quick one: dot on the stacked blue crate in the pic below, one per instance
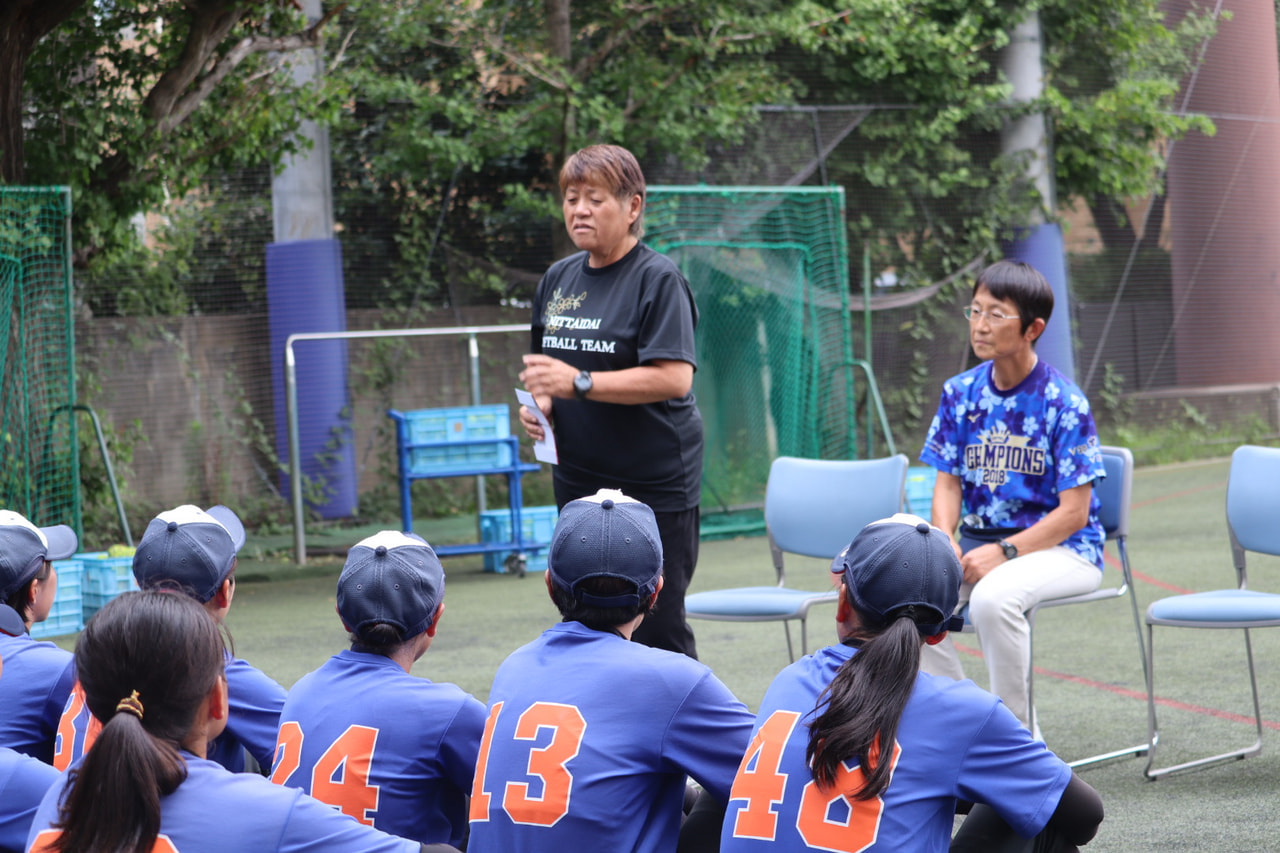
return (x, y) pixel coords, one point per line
(920, 482)
(104, 578)
(537, 523)
(454, 426)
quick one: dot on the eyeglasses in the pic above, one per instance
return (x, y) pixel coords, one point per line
(993, 317)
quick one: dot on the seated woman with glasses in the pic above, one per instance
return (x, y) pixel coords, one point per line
(1017, 454)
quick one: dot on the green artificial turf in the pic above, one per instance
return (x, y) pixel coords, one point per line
(1089, 690)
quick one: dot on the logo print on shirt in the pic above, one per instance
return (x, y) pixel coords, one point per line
(556, 308)
(999, 453)
(556, 319)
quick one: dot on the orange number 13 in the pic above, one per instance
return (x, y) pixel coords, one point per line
(548, 763)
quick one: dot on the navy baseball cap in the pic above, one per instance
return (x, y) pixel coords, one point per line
(189, 547)
(390, 577)
(607, 535)
(903, 561)
(24, 548)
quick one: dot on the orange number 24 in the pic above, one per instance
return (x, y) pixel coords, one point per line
(341, 776)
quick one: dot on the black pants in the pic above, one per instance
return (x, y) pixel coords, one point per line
(984, 831)
(667, 627)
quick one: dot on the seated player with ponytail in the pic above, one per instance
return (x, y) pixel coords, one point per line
(408, 745)
(151, 668)
(855, 749)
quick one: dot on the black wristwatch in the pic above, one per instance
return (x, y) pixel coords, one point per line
(582, 384)
(1010, 550)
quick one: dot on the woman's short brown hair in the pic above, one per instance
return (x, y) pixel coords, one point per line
(612, 167)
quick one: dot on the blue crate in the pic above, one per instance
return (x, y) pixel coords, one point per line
(920, 490)
(537, 523)
(465, 423)
(65, 616)
(104, 578)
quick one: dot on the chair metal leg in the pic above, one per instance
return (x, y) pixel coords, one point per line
(1088, 761)
(786, 626)
(1153, 731)
(1138, 749)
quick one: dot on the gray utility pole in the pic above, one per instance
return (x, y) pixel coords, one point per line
(305, 294)
(302, 193)
(1037, 241)
(1028, 135)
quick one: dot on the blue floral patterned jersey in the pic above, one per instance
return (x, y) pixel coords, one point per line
(1016, 450)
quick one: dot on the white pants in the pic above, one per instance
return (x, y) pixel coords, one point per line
(998, 606)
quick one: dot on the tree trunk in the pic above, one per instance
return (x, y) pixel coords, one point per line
(22, 24)
(560, 44)
(1111, 220)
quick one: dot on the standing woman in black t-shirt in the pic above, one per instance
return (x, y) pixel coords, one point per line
(612, 367)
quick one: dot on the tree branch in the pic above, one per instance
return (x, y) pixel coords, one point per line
(184, 106)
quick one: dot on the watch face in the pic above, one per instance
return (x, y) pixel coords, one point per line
(582, 382)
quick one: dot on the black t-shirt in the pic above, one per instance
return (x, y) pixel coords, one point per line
(629, 313)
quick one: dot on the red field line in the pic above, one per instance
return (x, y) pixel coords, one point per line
(1141, 696)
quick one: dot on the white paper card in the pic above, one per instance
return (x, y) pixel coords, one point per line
(545, 450)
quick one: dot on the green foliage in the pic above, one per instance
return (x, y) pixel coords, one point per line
(449, 121)
(107, 96)
(100, 519)
(1181, 434)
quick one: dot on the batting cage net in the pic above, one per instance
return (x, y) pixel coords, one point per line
(39, 475)
(769, 271)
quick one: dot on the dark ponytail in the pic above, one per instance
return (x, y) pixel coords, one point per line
(858, 712)
(146, 661)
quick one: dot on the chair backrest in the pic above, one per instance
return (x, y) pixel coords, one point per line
(1115, 491)
(815, 507)
(1253, 502)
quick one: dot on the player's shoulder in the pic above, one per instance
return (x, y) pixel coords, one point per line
(800, 682)
(958, 702)
(26, 651)
(25, 775)
(210, 782)
(379, 687)
(243, 673)
(612, 659)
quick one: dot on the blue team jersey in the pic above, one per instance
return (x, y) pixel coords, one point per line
(407, 746)
(23, 783)
(1015, 451)
(38, 677)
(214, 811)
(954, 741)
(253, 718)
(588, 743)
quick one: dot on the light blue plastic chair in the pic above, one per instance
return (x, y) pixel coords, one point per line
(1115, 495)
(1253, 521)
(812, 507)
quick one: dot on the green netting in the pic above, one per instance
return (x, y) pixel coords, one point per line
(39, 475)
(769, 269)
